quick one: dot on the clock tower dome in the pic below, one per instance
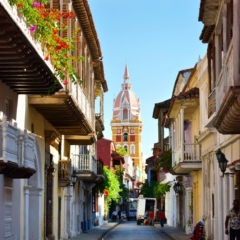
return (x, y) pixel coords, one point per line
(126, 122)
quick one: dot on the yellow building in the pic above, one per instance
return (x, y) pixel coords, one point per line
(126, 124)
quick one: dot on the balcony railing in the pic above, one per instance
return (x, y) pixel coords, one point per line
(84, 163)
(17, 150)
(212, 103)
(64, 173)
(83, 103)
(192, 152)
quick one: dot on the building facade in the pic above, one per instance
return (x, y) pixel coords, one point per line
(48, 128)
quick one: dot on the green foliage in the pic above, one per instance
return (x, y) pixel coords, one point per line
(148, 190)
(165, 161)
(112, 184)
(154, 190)
(160, 189)
(122, 151)
(45, 24)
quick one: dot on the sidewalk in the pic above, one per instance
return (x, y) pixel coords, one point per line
(172, 232)
(96, 233)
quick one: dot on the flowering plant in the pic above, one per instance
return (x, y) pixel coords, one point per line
(164, 161)
(46, 25)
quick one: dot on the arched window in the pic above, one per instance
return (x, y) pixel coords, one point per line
(125, 114)
(132, 149)
(126, 147)
(118, 145)
(125, 137)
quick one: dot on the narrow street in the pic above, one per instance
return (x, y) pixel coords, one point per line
(129, 230)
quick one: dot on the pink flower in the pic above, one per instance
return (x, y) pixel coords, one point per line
(33, 28)
(65, 82)
(37, 5)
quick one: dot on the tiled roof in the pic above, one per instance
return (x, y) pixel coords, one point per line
(190, 94)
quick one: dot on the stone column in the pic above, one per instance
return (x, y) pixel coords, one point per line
(26, 212)
(189, 216)
(182, 132)
(49, 204)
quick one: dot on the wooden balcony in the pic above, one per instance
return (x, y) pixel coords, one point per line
(87, 167)
(227, 120)
(17, 151)
(212, 103)
(64, 173)
(192, 160)
(69, 112)
(22, 64)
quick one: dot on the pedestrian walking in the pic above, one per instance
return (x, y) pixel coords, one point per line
(114, 216)
(162, 218)
(233, 218)
(151, 217)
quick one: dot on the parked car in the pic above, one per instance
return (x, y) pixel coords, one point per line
(132, 214)
(123, 215)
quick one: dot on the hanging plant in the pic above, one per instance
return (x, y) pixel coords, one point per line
(164, 161)
(45, 25)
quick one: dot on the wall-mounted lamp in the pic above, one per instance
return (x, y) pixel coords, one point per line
(222, 161)
(74, 177)
(177, 187)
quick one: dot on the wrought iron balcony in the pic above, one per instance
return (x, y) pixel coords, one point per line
(87, 167)
(17, 150)
(192, 159)
(64, 173)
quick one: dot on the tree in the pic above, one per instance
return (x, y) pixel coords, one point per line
(122, 151)
(154, 189)
(112, 184)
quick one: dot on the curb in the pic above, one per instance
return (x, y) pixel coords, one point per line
(162, 231)
(107, 231)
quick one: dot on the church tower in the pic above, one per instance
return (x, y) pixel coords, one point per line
(126, 122)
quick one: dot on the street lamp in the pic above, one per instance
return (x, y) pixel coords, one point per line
(177, 187)
(73, 177)
(222, 161)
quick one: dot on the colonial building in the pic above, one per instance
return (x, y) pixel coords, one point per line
(221, 34)
(53, 140)
(126, 125)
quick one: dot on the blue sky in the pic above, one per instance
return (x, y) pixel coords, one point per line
(156, 38)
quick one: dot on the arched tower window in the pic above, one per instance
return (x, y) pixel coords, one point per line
(125, 137)
(132, 149)
(118, 145)
(126, 147)
(125, 114)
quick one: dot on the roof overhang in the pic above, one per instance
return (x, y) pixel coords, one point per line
(208, 14)
(87, 26)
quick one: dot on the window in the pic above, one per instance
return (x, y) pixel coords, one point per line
(132, 149)
(126, 148)
(118, 138)
(125, 137)
(125, 114)
(118, 145)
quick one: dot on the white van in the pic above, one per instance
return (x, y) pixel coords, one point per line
(144, 205)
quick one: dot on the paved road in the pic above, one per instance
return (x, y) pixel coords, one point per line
(129, 230)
